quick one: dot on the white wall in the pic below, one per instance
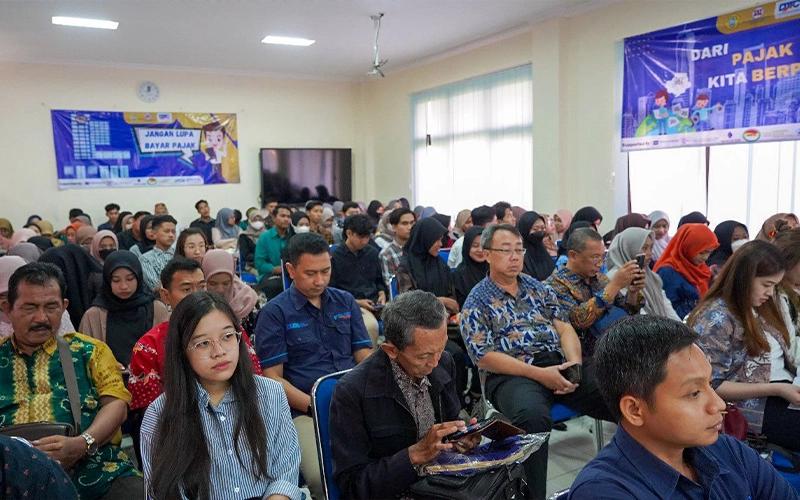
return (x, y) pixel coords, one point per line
(270, 112)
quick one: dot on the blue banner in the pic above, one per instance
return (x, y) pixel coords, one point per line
(724, 80)
(116, 149)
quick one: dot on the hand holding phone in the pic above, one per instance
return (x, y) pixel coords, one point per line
(640, 260)
(573, 373)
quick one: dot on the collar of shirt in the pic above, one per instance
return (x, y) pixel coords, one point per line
(500, 292)
(157, 251)
(204, 398)
(48, 347)
(661, 475)
(299, 300)
(403, 379)
(573, 277)
(273, 233)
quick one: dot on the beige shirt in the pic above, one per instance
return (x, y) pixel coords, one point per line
(94, 319)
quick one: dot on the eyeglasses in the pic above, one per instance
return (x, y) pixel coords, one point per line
(507, 252)
(228, 341)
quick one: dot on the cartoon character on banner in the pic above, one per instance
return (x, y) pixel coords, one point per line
(701, 113)
(214, 145)
(661, 111)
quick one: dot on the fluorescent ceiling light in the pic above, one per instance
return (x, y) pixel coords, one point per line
(287, 40)
(85, 23)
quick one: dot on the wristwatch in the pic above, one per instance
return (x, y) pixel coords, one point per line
(91, 443)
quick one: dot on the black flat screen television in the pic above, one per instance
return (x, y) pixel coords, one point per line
(296, 175)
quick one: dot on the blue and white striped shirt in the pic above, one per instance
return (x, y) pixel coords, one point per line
(228, 478)
(153, 262)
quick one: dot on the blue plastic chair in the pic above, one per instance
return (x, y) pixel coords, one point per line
(321, 396)
(394, 287)
(444, 254)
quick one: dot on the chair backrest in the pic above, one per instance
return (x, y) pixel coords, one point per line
(287, 281)
(394, 288)
(444, 254)
(321, 395)
(560, 495)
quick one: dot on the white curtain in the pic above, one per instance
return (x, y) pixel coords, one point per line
(473, 142)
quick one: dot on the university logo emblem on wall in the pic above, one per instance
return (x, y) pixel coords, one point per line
(733, 21)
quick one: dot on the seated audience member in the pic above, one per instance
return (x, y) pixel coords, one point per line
(326, 224)
(43, 243)
(631, 220)
(103, 244)
(21, 236)
(112, 214)
(97, 464)
(562, 218)
(562, 252)
(538, 262)
(683, 269)
(788, 291)
(375, 211)
(504, 213)
(357, 270)
(27, 250)
(308, 331)
(376, 440)
(225, 233)
(46, 229)
(422, 269)
(180, 278)
(401, 220)
(163, 251)
(186, 452)
(590, 215)
(125, 309)
(473, 267)
(300, 223)
(482, 216)
(349, 209)
(219, 270)
(205, 221)
(659, 223)
(627, 246)
(147, 240)
(269, 251)
(461, 225)
(515, 329)
(249, 237)
(160, 208)
(130, 237)
(83, 276)
(728, 233)
(653, 376)
(444, 220)
(693, 218)
(43, 477)
(124, 222)
(70, 233)
(314, 210)
(591, 300)
(84, 237)
(6, 228)
(384, 234)
(192, 244)
(776, 224)
(744, 337)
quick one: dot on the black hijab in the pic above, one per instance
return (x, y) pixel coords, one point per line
(78, 268)
(429, 272)
(562, 248)
(538, 262)
(587, 214)
(42, 242)
(145, 244)
(469, 272)
(372, 211)
(130, 318)
(444, 220)
(693, 218)
(724, 232)
(118, 225)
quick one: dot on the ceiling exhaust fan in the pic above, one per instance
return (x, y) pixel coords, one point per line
(377, 63)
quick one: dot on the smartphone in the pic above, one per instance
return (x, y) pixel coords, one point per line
(640, 260)
(377, 306)
(491, 428)
(572, 373)
(471, 429)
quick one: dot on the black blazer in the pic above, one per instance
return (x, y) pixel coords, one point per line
(372, 427)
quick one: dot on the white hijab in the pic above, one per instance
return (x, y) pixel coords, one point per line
(659, 245)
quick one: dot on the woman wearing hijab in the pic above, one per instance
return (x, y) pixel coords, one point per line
(300, 222)
(693, 218)
(473, 267)
(82, 274)
(255, 227)
(124, 310)
(728, 233)
(683, 269)
(47, 230)
(43, 243)
(225, 234)
(218, 268)
(659, 224)
(774, 225)
(561, 221)
(462, 224)
(84, 236)
(6, 229)
(538, 262)
(123, 222)
(590, 215)
(444, 220)
(147, 242)
(32, 220)
(70, 233)
(625, 247)
(20, 236)
(375, 211)
(631, 220)
(103, 243)
(385, 232)
(422, 269)
(27, 250)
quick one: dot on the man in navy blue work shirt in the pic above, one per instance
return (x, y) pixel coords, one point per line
(306, 332)
(657, 382)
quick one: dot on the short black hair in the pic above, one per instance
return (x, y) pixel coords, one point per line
(487, 235)
(312, 203)
(305, 243)
(580, 236)
(398, 213)
(162, 219)
(74, 212)
(631, 358)
(500, 209)
(281, 206)
(348, 205)
(482, 215)
(175, 265)
(111, 206)
(271, 198)
(35, 273)
(199, 202)
(359, 224)
(237, 215)
(141, 213)
(189, 231)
